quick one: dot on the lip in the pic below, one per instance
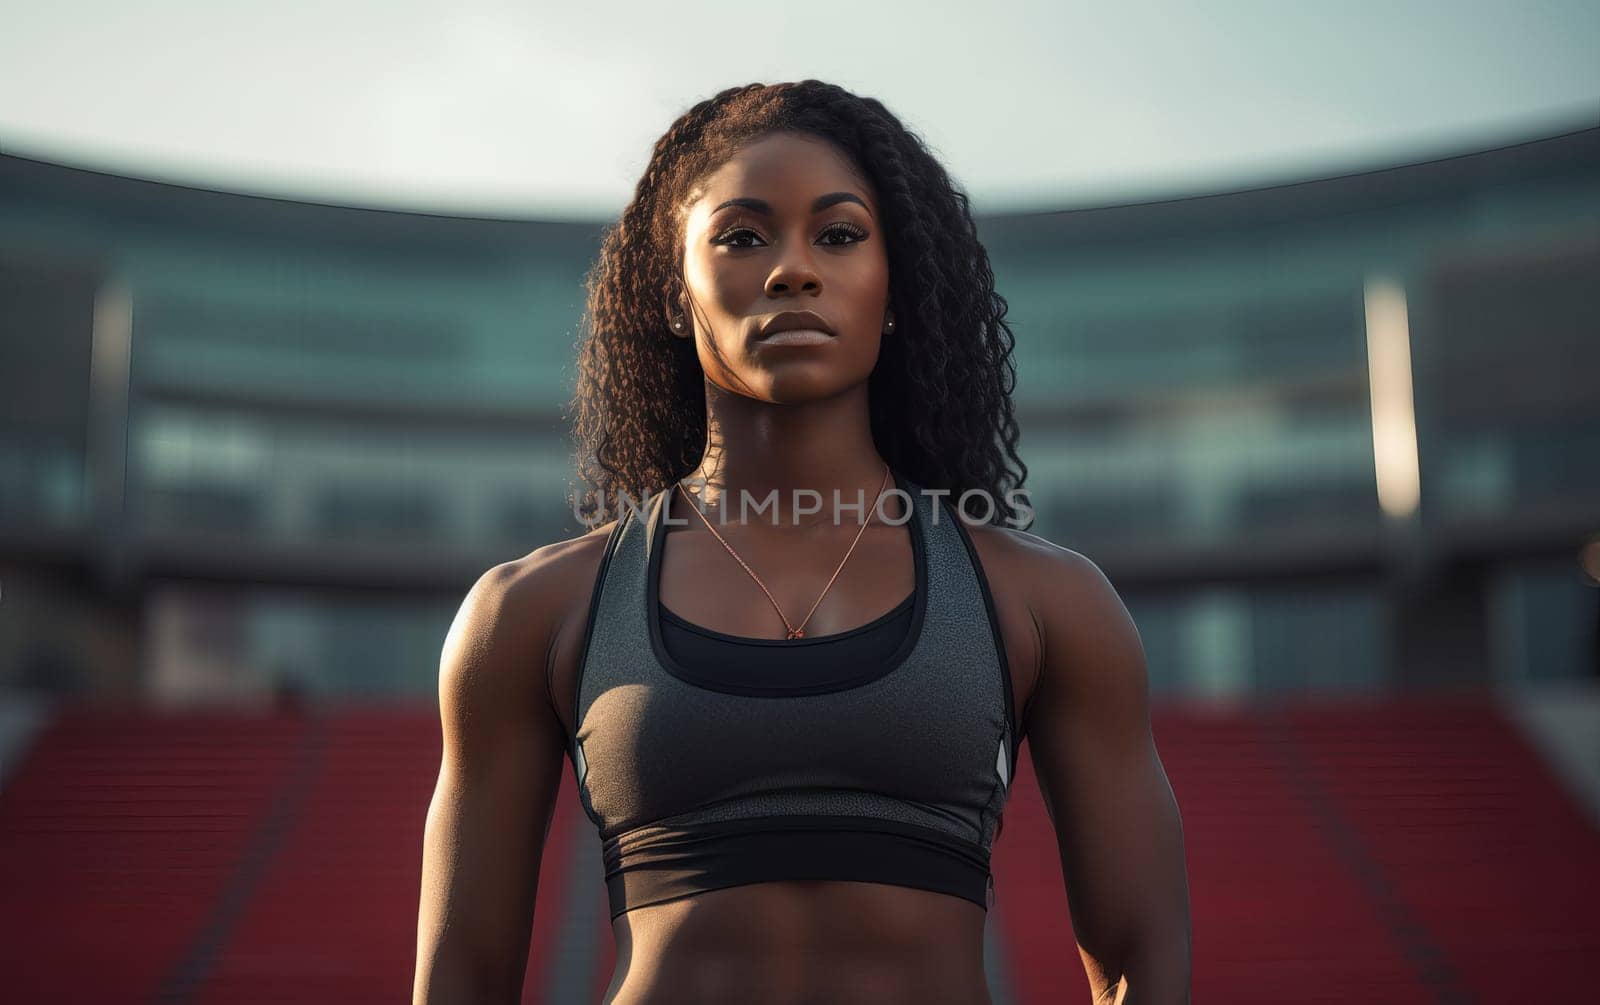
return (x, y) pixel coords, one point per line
(795, 328)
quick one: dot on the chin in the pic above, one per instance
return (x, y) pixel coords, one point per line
(798, 385)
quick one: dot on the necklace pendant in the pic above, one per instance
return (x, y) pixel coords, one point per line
(797, 633)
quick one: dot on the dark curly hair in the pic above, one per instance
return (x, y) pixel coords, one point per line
(640, 410)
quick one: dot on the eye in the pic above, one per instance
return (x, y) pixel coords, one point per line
(733, 234)
(848, 230)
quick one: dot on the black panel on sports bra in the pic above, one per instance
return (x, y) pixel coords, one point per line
(811, 661)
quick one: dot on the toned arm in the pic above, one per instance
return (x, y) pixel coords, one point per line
(498, 780)
(1117, 825)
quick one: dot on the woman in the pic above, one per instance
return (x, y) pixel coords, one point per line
(795, 730)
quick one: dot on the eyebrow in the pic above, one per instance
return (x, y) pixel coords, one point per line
(821, 203)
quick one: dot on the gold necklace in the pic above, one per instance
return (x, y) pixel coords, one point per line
(794, 632)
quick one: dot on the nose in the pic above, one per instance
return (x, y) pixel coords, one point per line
(794, 272)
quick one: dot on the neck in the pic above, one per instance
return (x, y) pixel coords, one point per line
(760, 448)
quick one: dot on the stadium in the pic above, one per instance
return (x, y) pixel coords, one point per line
(1336, 440)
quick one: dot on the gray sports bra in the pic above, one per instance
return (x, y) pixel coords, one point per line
(893, 769)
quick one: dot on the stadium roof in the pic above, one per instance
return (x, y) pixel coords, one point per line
(1574, 152)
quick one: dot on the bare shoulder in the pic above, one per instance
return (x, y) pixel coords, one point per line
(518, 619)
(544, 577)
(1047, 577)
(1023, 551)
(1079, 629)
(1047, 568)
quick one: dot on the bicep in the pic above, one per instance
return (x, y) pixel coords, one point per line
(499, 776)
(1116, 819)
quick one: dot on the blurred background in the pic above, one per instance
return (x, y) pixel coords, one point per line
(1307, 307)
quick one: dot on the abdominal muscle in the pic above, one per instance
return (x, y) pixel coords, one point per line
(801, 943)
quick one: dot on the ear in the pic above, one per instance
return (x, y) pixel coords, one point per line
(678, 322)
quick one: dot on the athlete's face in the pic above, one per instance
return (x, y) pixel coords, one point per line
(785, 225)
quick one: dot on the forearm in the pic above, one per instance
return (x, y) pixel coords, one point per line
(444, 983)
(1157, 972)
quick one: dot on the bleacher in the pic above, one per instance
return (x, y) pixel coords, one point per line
(1394, 850)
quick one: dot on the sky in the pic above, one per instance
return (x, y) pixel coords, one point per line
(550, 110)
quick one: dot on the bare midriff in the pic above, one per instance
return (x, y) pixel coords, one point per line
(802, 943)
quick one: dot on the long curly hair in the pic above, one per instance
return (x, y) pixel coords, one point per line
(941, 414)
